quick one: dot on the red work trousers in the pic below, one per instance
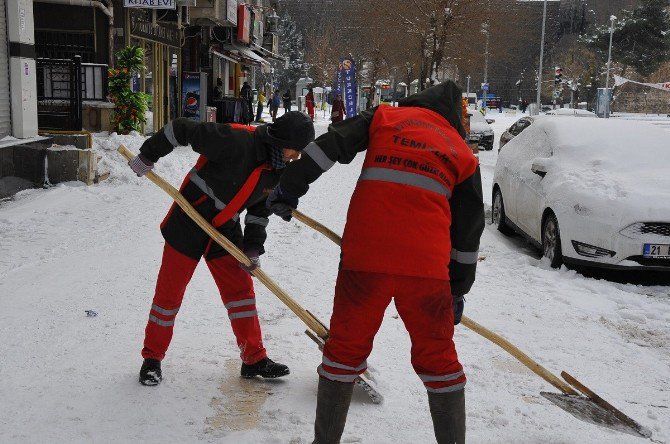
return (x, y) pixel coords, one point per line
(237, 292)
(425, 306)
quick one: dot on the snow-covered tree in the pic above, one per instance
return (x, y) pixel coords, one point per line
(641, 37)
(292, 47)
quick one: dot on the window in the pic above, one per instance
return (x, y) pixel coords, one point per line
(52, 44)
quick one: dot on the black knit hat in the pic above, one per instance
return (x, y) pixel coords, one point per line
(291, 130)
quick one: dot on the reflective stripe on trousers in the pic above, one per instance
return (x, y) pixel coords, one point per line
(170, 314)
(349, 373)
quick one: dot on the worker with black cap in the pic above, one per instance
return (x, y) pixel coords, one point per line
(238, 166)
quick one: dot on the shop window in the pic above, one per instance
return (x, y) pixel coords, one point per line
(65, 45)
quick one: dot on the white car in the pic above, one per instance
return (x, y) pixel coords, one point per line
(588, 192)
(570, 112)
(480, 130)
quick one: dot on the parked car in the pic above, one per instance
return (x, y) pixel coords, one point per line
(480, 131)
(514, 130)
(588, 192)
(570, 112)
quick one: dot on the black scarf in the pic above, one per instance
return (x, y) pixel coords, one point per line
(277, 157)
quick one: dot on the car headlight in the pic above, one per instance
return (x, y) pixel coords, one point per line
(590, 250)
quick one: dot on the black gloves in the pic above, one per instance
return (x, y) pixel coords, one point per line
(281, 203)
(253, 256)
(458, 303)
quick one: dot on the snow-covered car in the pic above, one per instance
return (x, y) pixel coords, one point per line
(588, 192)
(480, 131)
(514, 130)
(570, 112)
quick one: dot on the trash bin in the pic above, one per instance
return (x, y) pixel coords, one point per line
(210, 114)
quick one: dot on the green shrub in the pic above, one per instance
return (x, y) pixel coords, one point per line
(130, 107)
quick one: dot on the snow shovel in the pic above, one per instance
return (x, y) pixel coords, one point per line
(319, 333)
(590, 407)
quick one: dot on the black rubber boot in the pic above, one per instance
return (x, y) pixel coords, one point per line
(332, 406)
(150, 373)
(448, 412)
(266, 368)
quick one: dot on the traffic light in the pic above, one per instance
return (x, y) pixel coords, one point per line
(558, 78)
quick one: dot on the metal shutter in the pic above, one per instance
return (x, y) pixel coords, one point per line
(5, 116)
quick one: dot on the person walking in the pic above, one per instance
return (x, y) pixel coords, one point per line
(412, 235)
(309, 103)
(337, 112)
(286, 98)
(275, 100)
(237, 165)
(247, 97)
(259, 105)
(218, 89)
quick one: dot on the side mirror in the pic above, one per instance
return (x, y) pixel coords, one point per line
(540, 166)
(490, 121)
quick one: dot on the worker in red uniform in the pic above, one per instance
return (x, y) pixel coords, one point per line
(237, 167)
(412, 235)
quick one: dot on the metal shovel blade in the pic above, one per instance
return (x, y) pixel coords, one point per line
(585, 409)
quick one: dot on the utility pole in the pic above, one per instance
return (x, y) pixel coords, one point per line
(539, 73)
(609, 62)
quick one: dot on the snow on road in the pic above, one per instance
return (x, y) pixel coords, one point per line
(69, 377)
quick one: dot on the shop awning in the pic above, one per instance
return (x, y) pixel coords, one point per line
(246, 54)
(218, 53)
(268, 54)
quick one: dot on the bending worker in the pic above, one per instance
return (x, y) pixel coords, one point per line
(412, 235)
(237, 167)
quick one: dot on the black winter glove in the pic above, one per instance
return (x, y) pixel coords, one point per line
(253, 256)
(458, 304)
(281, 203)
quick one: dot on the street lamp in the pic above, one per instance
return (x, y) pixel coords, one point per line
(485, 31)
(609, 62)
(539, 74)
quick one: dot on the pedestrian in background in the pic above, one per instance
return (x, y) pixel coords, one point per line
(309, 103)
(247, 100)
(337, 112)
(259, 105)
(286, 98)
(275, 101)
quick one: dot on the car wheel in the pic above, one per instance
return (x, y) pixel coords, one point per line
(498, 214)
(551, 241)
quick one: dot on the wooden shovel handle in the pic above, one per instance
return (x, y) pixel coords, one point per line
(469, 323)
(519, 355)
(317, 226)
(310, 320)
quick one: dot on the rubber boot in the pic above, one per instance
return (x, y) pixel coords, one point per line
(332, 406)
(448, 412)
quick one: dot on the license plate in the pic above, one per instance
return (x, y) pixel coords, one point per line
(656, 251)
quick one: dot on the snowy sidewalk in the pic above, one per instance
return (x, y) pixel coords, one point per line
(68, 377)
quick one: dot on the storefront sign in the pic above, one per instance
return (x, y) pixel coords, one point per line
(243, 23)
(231, 11)
(160, 32)
(152, 4)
